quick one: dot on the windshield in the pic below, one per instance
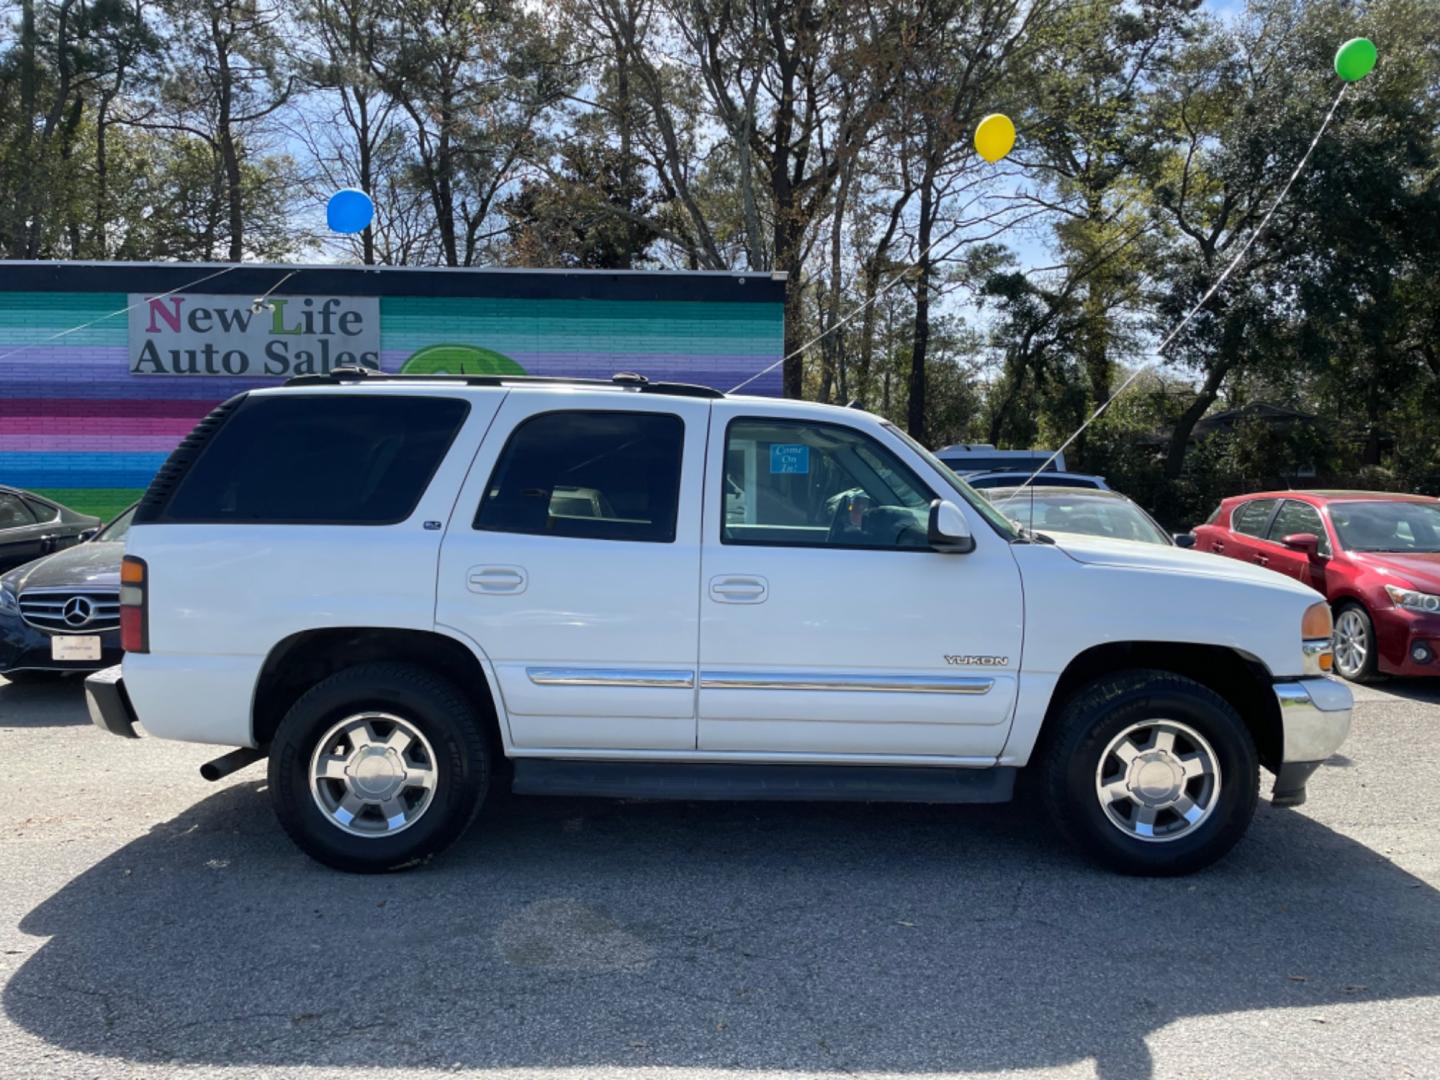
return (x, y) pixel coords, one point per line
(1387, 526)
(1077, 512)
(998, 521)
(114, 533)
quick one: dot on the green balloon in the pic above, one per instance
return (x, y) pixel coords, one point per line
(1355, 59)
(459, 360)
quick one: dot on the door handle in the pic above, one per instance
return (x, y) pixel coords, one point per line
(1218, 548)
(739, 589)
(1262, 559)
(496, 580)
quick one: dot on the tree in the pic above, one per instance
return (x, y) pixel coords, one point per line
(474, 82)
(226, 78)
(353, 141)
(1088, 133)
(56, 90)
(956, 52)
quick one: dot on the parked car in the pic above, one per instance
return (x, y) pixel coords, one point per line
(1078, 510)
(967, 458)
(32, 526)
(1375, 556)
(1008, 479)
(363, 577)
(61, 614)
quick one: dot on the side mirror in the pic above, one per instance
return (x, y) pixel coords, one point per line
(1308, 543)
(1185, 540)
(949, 531)
(88, 534)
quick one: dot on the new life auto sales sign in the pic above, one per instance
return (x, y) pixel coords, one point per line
(202, 334)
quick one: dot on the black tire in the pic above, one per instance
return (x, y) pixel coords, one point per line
(1097, 714)
(432, 705)
(1369, 670)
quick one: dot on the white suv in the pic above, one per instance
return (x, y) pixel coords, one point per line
(403, 589)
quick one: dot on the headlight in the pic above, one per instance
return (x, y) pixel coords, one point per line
(1411, 600)
(1317, 630)
(8, 604)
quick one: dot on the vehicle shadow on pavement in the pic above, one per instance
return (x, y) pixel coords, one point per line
(568, 933)
(60, 703)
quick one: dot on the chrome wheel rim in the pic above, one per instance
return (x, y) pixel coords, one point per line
(1352, 643)
(1158, 780)
(373, 774)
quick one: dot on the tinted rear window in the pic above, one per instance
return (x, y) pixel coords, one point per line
(590, 475)
(1251, 518)
(311, 459)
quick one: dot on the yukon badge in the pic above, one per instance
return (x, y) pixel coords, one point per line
(978, 661)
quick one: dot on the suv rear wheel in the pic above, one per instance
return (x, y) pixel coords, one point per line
(378, 767)
(1151, 773)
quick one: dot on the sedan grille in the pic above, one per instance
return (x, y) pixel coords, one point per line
(71, 612)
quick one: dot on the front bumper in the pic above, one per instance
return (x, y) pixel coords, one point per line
(23, 648)
(1397, 633)
(109, 704)
(1314, 719)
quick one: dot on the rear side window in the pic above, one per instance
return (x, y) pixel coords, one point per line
(1251, 518)
(42, 511)
(14, 512)
(588, 475)
(319, 459)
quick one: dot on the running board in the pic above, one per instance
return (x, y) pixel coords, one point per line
(708, 781)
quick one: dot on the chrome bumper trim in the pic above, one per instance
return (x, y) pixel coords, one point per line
(1315, 717)
(878, 684)
(1312, 649)
(672, 680)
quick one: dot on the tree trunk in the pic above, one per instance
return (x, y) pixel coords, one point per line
(225, 138)
(17, 236)
(867, 329)
(1185, 426)
(367, 177)
(920, 345)
(830, 347)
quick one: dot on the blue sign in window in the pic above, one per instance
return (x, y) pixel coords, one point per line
(788, 458)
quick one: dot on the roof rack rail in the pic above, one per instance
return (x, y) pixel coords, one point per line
(627, 379)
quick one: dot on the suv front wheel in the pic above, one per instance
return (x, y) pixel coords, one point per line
(378, 767)
(1151, 773)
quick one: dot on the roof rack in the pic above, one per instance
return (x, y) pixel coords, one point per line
(627, 379)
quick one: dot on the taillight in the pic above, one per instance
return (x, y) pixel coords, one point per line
(134, 594)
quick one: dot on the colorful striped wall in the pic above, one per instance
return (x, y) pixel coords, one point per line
(77, 425)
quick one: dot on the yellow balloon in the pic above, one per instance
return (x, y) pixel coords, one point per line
(994, 137)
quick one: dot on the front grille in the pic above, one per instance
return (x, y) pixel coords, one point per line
(71, 611)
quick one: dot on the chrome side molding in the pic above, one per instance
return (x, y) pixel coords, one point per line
(884, 684)
(671, 680)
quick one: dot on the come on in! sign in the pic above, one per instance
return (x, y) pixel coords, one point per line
(205, 334)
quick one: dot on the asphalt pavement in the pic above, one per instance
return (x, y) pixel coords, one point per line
(155, 925)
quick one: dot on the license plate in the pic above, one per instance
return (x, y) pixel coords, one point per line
(75, 647)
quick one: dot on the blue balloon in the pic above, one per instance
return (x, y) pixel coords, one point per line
(349, 210)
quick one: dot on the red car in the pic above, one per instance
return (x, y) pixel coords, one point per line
(1375, 556)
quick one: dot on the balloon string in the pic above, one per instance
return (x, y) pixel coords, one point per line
(1189, 315)
(124, 310)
